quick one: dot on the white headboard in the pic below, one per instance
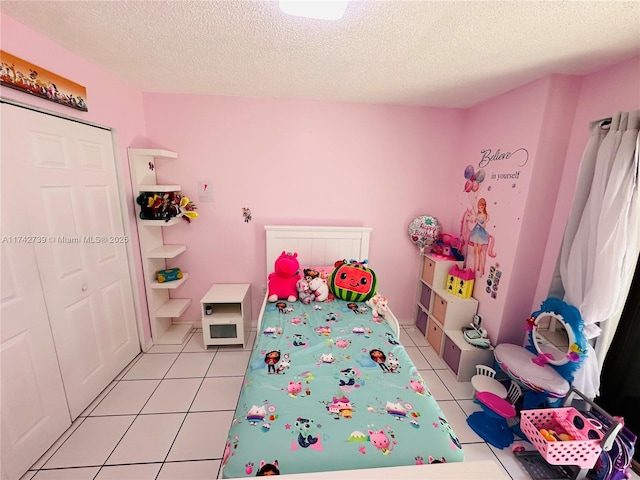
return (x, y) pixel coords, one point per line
(317, 246)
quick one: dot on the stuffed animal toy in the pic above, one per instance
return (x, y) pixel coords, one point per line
(319, 288)
(378, 305)
(282, 282)
(305, 295)
(353, 281)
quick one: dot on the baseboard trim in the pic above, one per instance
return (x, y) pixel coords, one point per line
(147, 346)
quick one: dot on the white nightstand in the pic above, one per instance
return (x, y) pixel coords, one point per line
(226, 314)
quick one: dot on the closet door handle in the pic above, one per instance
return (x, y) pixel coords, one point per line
(85, 287)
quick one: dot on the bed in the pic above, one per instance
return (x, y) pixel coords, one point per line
(329, 386)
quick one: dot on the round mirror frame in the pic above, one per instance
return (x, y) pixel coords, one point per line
(568, 329)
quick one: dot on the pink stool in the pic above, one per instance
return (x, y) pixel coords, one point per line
(491, 423)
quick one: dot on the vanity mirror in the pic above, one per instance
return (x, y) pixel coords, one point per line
(553, 337)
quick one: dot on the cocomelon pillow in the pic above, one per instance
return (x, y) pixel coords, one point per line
(353, 281)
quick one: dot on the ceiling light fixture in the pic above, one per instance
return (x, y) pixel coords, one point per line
(319, 9)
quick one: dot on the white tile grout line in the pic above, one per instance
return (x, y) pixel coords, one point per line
(114, 384)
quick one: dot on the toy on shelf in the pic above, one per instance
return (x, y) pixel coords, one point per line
(282, 282)
(168, 275)
(449, 246)
(187, 209)
(476, 335)
(165, 206)
(460, 281)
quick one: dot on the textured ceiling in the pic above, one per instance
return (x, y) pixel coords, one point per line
(434, 53)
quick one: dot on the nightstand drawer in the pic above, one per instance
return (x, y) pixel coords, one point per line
(434, 336)
(222, 320)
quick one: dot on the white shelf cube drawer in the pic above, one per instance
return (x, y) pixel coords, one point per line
(434, 335)
(435, 270)
(452, 311)
(462, 357)
(425, 296)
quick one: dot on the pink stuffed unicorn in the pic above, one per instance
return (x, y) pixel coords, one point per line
(378, 305)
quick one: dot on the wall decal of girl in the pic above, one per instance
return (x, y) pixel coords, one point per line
(479, 236)
(473, 227)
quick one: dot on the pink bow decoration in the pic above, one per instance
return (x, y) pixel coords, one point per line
(542, 359)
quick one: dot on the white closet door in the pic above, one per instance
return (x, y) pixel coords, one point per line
(72, 200)
(34, 408)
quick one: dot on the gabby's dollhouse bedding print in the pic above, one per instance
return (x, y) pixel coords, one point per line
(329, 387)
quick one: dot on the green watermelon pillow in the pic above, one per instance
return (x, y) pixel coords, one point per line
(353, 281)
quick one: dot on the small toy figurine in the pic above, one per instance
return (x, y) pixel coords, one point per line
(378, 305)
(305, 295)
(319, 288)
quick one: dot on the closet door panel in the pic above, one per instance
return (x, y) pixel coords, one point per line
(34, 410)
(75, 205)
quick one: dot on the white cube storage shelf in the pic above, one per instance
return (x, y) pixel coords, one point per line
(461, 357)
(452, 311)
(441, 315)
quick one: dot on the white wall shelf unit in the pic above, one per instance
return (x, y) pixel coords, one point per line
(166, 251)
(174, 307)
(161, 223)
(159, 188)
(164, 311)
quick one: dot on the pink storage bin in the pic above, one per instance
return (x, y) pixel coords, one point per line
(583, 451)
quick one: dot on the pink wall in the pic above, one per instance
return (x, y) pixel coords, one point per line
(560, 104)
(510, 124)
(294, 162)
(550, 118)
(380, 166)
(111, 101)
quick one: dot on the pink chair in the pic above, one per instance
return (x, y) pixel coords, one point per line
(491, 422)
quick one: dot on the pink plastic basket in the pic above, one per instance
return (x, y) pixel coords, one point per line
(582, 451)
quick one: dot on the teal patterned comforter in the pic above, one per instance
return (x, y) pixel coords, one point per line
(329, 387)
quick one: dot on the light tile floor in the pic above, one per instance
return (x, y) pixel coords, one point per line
(167, 414)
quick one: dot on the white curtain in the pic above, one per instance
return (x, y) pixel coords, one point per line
(600, 245)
